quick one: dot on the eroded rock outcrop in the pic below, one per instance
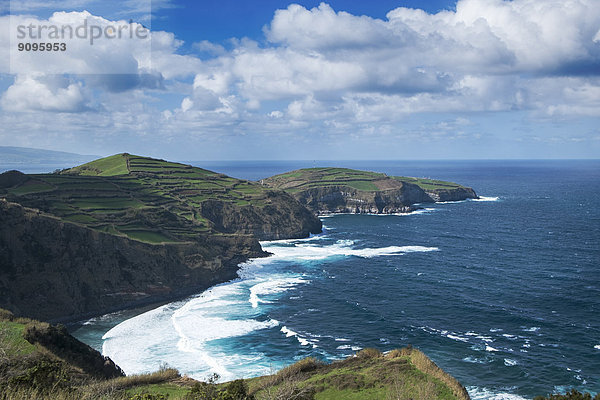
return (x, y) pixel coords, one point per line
(51, 269)
(342, 190)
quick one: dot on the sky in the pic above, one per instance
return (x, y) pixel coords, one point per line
(306, 80)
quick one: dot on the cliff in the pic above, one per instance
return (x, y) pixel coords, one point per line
(52, 269)
(36, 356)
(127, 230)
(341, 190)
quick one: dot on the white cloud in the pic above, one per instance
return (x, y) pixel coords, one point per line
(44, 94)
(331, 73)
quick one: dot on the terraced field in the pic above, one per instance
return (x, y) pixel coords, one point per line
(149, 200)
(308, 178)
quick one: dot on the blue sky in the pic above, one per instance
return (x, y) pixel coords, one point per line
(272, 79)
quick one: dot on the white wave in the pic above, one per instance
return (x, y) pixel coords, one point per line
(486, 394)
(510, 362)
(288, 332)
(301, 339)
(194, 335)
(341, 340)
(490, 348)
(452, 201)
(461, 337)
(308, 251)
(129, 343)
(415, 212)
(272, 286)
(532, 329)
(475, 360)
(349, 347)
(484, 198)
(597, 347)
(458, 338)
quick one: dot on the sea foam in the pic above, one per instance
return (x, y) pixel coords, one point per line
(196, 335)
(486, 394)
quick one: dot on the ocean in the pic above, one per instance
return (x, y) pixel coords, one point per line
(502, 292)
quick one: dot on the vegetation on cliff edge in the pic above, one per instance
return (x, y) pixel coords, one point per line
(308, 178)
(145, 199)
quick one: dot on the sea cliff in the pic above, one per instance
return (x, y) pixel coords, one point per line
(341, 190)
(128, 230)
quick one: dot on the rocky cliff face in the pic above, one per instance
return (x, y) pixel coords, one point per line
(453, 194)
(50, 269)
(342, 190)
(281, 218)
(344, 199)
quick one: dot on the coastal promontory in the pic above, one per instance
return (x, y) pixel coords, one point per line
(127, 230)
(342, 190)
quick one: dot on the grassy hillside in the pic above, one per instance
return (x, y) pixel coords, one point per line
(145, 199)
(400, 374)
(303, 179)
(41, 358)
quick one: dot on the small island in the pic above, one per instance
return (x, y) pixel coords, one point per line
(342, 190)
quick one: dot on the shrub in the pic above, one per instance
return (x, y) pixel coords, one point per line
(369, 353)
(6, 315)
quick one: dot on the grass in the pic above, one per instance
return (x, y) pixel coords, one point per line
(400, 374)
(108, 166)
(147, 236)
(167, 389)
(31, 187)
(303, 179)
(11, 340)
(428, 184)
(164, 199)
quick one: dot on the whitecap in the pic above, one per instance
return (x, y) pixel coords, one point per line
(312, 252)
(510, 362)
(490, 348)
(597, 347)
(532, 329)
(457, 338)
(484, 198)
(475, 360)
(301, 339)
(272, 286)
(486, 394)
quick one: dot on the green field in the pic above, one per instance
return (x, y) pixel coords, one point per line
(309, 178)
(161, 198)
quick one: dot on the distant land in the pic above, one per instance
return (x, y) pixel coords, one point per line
(29, 159)
(343, 190)
(127, 230)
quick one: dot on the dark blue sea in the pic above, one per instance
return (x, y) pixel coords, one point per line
(503, 293)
